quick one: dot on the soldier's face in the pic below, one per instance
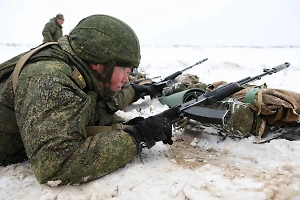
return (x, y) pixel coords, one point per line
(60, 21)
(119, 78)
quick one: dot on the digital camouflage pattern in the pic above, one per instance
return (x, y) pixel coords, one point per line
(113, 41)
(49, 112)
(52, 113)
(52, 31)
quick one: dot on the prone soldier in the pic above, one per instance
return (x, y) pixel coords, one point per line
(54, 98)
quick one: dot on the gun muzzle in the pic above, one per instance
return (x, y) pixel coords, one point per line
(281, 67)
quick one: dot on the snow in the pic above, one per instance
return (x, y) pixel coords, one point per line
(168, 22)
(197, 165)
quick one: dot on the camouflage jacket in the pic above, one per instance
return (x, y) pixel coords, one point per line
(52, 112)
(52, 31)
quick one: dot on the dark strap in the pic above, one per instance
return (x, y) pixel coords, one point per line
(93, 130)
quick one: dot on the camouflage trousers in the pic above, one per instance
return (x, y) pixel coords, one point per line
(11, 145)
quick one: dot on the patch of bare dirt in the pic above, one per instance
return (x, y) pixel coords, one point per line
(189, 156)
(278, 183)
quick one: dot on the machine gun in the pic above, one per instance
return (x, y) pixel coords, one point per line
(193, 109)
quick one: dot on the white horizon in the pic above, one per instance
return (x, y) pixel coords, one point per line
(192, 22)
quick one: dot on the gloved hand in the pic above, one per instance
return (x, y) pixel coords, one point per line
(143, 90)
(154, 129)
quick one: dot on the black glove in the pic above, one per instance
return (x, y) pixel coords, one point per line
(143, 90)
(154, 129)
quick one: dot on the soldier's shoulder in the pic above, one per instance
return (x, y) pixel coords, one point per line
(50, 24)
(54, 67)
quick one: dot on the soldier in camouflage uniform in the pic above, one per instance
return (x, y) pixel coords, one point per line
(53, 29)
(66, 87)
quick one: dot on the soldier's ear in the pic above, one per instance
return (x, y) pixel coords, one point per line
(97, 67)
(93, 66)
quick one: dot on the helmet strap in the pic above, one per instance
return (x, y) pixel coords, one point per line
(106, 76)
(108, 72)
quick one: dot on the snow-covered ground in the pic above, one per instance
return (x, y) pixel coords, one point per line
(197, 165)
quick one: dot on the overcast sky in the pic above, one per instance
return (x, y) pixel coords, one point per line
(164, 22)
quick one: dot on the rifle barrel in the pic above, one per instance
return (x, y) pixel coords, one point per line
(266, 72)
(201, 61)
(175, 74)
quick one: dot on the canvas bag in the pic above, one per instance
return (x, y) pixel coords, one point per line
(270, 107)
(276, 106)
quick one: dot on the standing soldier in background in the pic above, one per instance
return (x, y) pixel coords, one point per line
(53, 29)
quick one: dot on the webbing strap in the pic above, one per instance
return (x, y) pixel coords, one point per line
(23, 60)
(93, 130)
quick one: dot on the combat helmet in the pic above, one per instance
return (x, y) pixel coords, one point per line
(103, 39)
